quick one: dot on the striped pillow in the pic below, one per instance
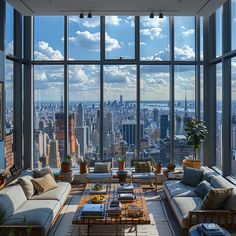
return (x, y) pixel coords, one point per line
(215, 198)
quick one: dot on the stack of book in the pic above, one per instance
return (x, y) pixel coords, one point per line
(126, 188)
(210, 229)
(114, 208)
(93, 210)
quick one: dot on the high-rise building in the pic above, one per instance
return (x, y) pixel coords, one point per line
(129, 131)
(155, 115)
(108, 123)
(164, 125)
(80, 117)
(81, 135)
(72, 136)
(121, 100)
(59, 132)
(54, 157)
(8, 151)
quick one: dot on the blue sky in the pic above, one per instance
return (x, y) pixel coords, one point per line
(84, 44)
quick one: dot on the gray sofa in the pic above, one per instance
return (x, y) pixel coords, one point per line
(186, 204)
(36, 214)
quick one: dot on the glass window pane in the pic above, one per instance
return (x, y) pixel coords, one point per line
(120, 37)
(184, 27)
(154, 38)
(154, 89)
(119, 110)
(9, 112)
(48, 115)
(233, 23)
(84, 104)
(218, 18)
(233, 120)
(48, 42)
(184, 109)
(201, 38)
(84, 38)
(219, 115)
(9, 30)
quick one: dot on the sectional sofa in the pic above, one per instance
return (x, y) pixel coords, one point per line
(33, 216)
(186, 203)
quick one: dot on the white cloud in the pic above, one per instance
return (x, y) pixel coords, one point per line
(185, 53)
(9, 48)
(44, 52)
(153, 33)
(89, 23)
(111, 43)
(188, 32)
(113, 20)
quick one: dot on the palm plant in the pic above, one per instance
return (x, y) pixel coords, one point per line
(196, 133)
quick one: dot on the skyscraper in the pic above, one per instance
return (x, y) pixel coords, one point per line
(155, 115)
(81, 135)
(54, 158)
(59, 132)
(72, 137)
(80, 117)
(164, 125)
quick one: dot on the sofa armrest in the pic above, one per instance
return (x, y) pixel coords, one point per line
(224, 218)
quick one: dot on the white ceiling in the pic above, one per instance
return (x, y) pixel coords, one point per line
(116, 7)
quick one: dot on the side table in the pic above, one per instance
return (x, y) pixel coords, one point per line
(194, 231)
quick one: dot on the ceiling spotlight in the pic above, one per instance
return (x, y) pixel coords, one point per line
(90, 15)
(81, 15)
(160, 15)
(151, 15)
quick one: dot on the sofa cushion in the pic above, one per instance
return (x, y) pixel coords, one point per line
(10, 200)
(60, 193)
(42, 172)
(35, 212)
(99, 176)
(207, 173)
(215, 198)
(144, 175)
(44, 183)
(221, 182)
(175, 188)
(203, 188)
(102, 167)
(143, 166)
(182, 206)
(27, 185)
(192, 176)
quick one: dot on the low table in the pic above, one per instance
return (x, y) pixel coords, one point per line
(117, 222)
(195, 232)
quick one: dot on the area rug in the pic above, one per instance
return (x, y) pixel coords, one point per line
(163, 222)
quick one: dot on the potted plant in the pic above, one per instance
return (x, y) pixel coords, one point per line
(121, 163)
(196, 133)
(66, 164)
(83, 166)
(158, 165)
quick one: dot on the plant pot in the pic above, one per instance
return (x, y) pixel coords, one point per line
(83, 168)
(122, 176)
(192, 163)
(121, 165)
(65, 166)
(158, 168)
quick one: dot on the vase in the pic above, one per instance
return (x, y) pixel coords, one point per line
(191, 163)
(65, 166)
(158, 168)
(83, 168)
(121, 165)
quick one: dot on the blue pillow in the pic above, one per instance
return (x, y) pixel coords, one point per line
(192, 176)
(203, 188)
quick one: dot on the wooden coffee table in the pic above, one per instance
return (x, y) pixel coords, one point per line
(121, 220)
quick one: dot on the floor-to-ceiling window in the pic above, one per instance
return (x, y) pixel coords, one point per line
(132, 77)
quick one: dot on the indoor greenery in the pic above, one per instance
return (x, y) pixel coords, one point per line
(196, 133)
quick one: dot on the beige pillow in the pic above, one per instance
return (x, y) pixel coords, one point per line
(40, 173)
(143, 166)
(27, 185)
(102, 167)
(44, 183)
(215, 198)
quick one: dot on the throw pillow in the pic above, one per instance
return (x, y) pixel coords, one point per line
(40, 173)
(203, 188)
(102, 167)
(219, 182)
(192, 176)
(27, 185)
(143, 166)
(215, 198)
(44, 183)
